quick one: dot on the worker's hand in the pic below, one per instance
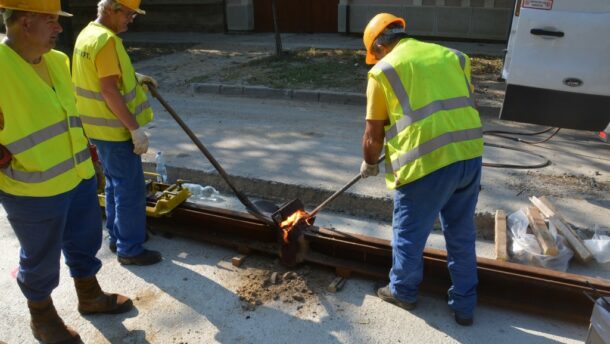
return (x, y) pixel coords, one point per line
(367, 170)
(5, 157)
(140, 141)
(145, 80)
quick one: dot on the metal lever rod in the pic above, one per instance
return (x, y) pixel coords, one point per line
(342, 190)
(242, 197)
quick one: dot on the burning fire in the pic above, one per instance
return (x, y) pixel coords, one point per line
(288, 224)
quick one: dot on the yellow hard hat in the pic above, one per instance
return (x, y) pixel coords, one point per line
(38, 6)
(374, 28)
(132, 5)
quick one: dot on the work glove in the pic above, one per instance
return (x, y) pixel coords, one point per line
(140, 141)
(367, 170)
(144, 80)
(5, 157)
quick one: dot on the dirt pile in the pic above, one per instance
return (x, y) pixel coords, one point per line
(261, 286)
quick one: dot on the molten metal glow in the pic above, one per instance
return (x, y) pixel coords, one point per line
(288, 224)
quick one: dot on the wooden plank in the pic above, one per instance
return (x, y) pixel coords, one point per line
(580, 250)
(238, 260)
(501, 238)
(544, 237)
(336, 285)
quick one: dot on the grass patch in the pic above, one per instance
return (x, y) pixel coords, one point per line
(486, 65)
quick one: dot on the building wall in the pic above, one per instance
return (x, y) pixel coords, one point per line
(469, 19)
(161, 15)
(460, 19)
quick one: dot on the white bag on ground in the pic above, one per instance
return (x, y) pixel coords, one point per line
(599, 246)
(525, 247)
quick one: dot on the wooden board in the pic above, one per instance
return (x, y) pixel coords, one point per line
(501, 239)
(581, 251)
(544, 237)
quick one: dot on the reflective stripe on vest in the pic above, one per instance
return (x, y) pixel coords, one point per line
(43, 176)
(411, 116)
(42, 135)
(98, 95)
(432, 145)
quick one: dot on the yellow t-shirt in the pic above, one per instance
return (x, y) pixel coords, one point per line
(107, 61)
(376, 107)
(42, 71)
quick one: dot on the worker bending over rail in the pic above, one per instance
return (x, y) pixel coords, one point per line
(419, 99)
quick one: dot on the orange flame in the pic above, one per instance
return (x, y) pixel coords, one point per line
(291, 221)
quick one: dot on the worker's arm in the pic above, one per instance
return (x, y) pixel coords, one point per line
(114, 100)
(374, 132)
(372, 141)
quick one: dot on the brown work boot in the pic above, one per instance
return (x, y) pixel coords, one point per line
(386, 295)
(47, 326)
(92, 300)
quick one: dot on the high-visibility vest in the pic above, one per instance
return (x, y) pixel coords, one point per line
(42, 129)
(433, 121)
(99, 121)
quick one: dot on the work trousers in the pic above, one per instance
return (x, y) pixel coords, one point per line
(452, 192)
(45, 226)
(125, 196)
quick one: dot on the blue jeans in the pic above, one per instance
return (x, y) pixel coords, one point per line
(45, 226)
(453, 192)
(125, 196)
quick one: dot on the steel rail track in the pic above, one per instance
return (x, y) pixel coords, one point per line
(517, 287)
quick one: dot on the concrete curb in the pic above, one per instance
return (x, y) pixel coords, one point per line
(332, 97)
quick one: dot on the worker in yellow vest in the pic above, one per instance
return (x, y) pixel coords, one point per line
(419, 100)
(47, 181)
(112, 102)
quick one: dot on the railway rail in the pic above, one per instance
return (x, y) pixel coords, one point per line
(507, 285)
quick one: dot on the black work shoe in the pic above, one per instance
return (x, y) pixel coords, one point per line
(147, 257)
(386, 295)
(112, 247)
(464, 321)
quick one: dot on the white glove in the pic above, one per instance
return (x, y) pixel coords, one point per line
(140, 141)
(144, 80)
(367, 170)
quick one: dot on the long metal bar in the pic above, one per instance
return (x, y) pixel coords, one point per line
(340, 191)
(513, 286)
(241, 196)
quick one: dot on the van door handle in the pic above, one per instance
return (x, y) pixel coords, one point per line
(542, 32)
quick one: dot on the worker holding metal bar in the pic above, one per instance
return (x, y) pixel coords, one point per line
(112, 101)
(47, 180)
(420, 101)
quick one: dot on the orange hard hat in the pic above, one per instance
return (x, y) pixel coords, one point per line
(374, 28)
(38, 6)
(133, 5)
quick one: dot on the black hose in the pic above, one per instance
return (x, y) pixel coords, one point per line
(504, 135)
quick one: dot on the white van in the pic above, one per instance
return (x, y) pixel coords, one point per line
(557, 65)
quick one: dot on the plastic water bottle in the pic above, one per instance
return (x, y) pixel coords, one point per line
(209, 193)
(161, 169)
(203, 193)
